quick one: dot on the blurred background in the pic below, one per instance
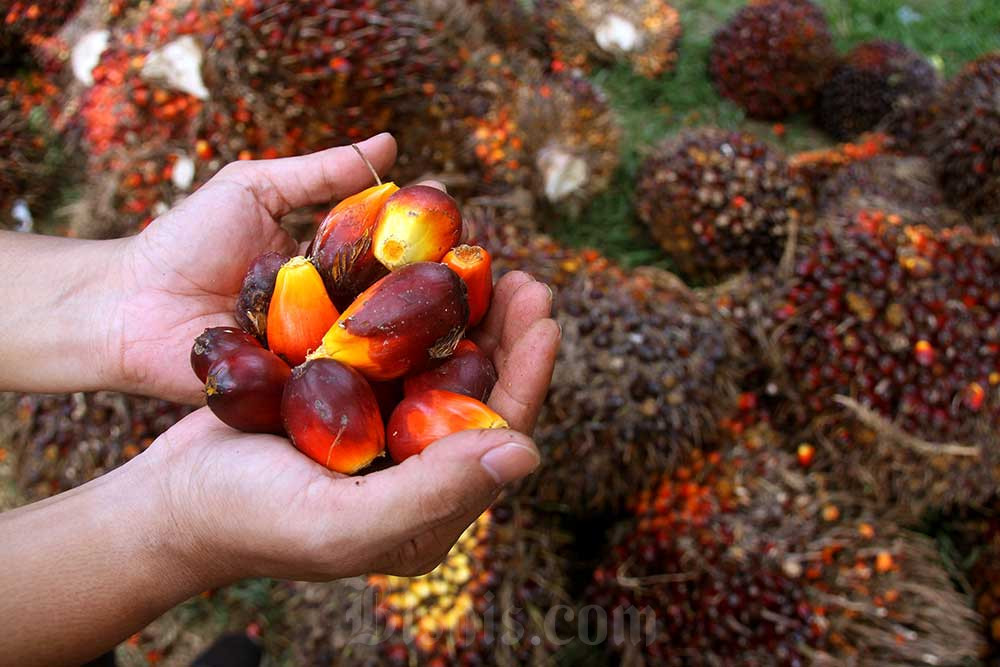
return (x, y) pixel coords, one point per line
(771, 229)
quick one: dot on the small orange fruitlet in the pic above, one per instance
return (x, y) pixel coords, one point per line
(244, 389)
(474, 266)
(431, 415)
(300, 313)
(468, 372)
(342, 248)
(332, 416)
(216, 343)
(401, 324)
(255, 295)
(416, 224)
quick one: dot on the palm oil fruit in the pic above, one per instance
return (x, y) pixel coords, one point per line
(473, 265)
(245, 388)
(342, 249)
(300, 312)
(416, 224)
(468, 372)
(255, 296)
(332, 416)
(401, 324)
(424, 418)
(217, 343)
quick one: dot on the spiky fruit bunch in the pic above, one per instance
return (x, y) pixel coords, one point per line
(721, 202)
(504, 569)
(642, 33)
(902, 317)
(985, 579)
(68, 439)
(868, 84)
(772, 56)
(905, 185)
(27, 23)
(740, 560)
(964, 142)
(347, 68)
(645, 371)
(26, 169)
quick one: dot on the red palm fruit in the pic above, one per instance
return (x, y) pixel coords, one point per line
(431, 415)
(255, 296)
(342, 249)
(416, 224)
(300, 312)
(468, 372)
(332, 416)
(473, 265)
(401, 324)
(217, 343)
(388, 394)
(244, 389)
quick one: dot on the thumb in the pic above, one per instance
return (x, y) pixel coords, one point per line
(418, 509)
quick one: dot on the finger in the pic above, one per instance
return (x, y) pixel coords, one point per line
(530, 303)
(524, 378)
(487, 336)
(452, 481)
(288, 183)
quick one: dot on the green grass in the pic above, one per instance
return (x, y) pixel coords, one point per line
(950, 33)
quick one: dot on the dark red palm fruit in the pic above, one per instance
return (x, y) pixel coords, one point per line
(427, 417)
(342, 248)
(332, 416)
(217, 343)
(468, 372)
(402, 323)
(244, 389)
(474, 266)
(417, 224)
(255, 296)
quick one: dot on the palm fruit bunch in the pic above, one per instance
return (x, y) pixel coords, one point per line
(819, 165)
(964, 142)
(359, 346)
(508, 24)
(26, 24)
(66, 440)
(721, 202)
(772, 57)
(906, 185)
(27, 166)
(643, 33)
(868, 84)
(502, 577)
(984, 575)
(645, 371)
(739, 559)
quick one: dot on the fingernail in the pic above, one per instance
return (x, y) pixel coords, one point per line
(552, 296)
(510, 462)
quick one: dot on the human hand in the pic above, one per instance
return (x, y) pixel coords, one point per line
(251, 505)
(183, 273)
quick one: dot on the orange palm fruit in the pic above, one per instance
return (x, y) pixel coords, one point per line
(255, 295)
(245, 388)
(416, 224)
(431, 415)
(401, 324)
(474, 266)
(332, 416)
(468, 371)
(300, 311)
(342, 248)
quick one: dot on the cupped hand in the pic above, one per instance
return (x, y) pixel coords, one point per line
(182, 274)
(250, 505)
